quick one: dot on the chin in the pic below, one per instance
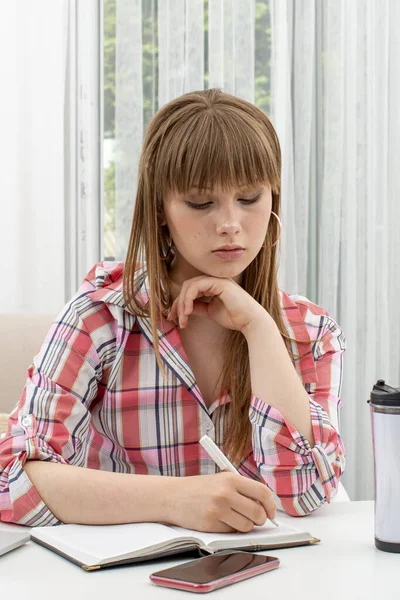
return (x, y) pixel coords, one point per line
(227, 271)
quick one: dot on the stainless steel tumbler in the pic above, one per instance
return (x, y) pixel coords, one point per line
(385, 423)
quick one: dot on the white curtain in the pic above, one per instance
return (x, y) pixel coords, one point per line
(51, 201)
(33, 41)
(333, 69)
(335, 92)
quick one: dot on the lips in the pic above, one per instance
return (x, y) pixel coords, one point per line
(229, 254)
(228, 248)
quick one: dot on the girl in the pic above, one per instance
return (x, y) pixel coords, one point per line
(190, 335)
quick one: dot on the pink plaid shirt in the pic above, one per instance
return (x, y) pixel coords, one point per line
(94, 397)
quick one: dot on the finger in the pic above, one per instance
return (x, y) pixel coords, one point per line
(182, 300)
(238, 521)
(190, 290)
(204, 287)
(181, 310)
(258, 491)
(198, 289)
(185, 302)
(175, 311)
(194, 291)
(172, 313)
(249, 508)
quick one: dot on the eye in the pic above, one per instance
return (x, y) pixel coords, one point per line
(207, 204)
(252, 200)
(198, 206)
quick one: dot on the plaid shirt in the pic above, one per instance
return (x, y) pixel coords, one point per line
(94, 397)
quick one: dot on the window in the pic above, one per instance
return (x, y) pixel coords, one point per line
(150, 78)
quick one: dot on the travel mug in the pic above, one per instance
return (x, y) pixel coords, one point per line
(385, 423)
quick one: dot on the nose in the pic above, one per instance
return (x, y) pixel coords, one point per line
(228, 223)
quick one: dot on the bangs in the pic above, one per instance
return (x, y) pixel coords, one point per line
(219, 147)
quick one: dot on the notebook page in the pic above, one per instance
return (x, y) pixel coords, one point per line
(101, 542)
(260, 532)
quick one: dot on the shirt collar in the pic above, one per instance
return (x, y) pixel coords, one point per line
(108, 285)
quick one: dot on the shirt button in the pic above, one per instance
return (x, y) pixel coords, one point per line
(27, 421)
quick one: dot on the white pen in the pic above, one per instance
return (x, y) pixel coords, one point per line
(220, 459)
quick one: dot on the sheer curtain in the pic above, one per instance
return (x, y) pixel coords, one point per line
(335, 90)
(32, 68)
(333, 76)
(50, 152)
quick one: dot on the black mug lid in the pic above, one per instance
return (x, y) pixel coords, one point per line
(385, 395)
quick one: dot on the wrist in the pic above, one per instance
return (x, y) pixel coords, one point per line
(154, 498)
(173, 492)
(258, 325)
(169, 490)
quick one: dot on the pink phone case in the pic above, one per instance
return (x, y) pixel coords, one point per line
(217, 583)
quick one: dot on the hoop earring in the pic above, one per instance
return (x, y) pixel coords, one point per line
(280, 229)
(170, 249)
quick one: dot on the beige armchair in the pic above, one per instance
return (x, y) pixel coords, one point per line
(21, 336)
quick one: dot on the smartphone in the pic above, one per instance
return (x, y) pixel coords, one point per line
(214, 571)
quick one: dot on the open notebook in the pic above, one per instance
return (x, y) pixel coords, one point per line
(97, 546)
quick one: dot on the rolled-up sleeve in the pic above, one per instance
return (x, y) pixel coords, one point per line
(303, 478)
(51, 420)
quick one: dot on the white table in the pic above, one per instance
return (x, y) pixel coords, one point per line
(344, 566)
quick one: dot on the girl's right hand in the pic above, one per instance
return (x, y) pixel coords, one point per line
(225, 502)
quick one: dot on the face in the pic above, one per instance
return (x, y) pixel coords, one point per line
(199, 225)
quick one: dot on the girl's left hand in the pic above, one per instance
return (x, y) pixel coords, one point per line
(230, 306)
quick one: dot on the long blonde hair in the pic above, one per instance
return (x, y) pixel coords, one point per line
(211, 138)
